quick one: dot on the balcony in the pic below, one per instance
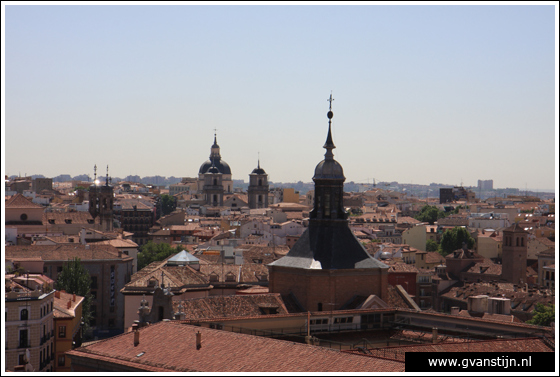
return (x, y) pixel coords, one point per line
(24, 344)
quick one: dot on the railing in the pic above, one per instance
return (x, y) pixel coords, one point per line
(24, 344)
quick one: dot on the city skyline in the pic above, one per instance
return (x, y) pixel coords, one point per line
(423, 94)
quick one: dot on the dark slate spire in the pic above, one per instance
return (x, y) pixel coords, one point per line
(329, 145)
(328, 243)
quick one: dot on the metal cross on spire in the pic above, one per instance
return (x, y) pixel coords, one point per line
(330, 101)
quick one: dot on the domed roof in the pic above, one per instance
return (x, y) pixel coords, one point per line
(218, 163)
(258, 169)
(328, 169)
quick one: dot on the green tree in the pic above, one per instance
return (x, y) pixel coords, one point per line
(429, 214)
(74, 278)
(452, 239)
(151, 252)
(542, 315)
(431, 245)
(168, 204)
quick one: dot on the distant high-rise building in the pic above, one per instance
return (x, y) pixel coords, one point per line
(486, 185)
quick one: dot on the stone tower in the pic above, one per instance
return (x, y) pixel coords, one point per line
(101, 201)
(514, 254)
(213, 189)
(258, 188)
(328, 267)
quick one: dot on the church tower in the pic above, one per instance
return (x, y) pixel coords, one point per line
(101, 201)
(514, 254)
(215, 161)
(213, 188)
(258, 188)
(328, 267)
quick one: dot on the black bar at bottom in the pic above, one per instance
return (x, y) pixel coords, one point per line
(479, 362)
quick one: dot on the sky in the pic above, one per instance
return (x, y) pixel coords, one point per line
(422, 93)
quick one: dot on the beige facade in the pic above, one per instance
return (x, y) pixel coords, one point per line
(29, 326)
(489, 247)
(415, 237)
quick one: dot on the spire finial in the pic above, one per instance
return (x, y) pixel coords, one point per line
(259, 160)
(107, 177)
(329, 145)
(94, 172)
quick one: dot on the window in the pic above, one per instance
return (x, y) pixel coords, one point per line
(24, 315)
(44, 269)
(320, 307)
(23, 339)
(62, 331)
(61, 361)
(320, 321)
(343, 320)
(23, 217)
(59, 269)
(93, 282)
(94, 295)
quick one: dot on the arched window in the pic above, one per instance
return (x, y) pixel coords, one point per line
(517, 241)
(522, 242)
(215, 182)
(24, 315)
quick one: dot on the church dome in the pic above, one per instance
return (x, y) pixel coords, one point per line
(328, 169)
(220, 164)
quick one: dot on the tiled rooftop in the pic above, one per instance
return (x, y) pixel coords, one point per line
(230, 306)
(171, 346)
(63, 252)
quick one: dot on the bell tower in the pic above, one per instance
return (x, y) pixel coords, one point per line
(258, 188)
(101, 201)
(514, 254)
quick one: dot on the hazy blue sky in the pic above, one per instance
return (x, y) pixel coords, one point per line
(444, 94)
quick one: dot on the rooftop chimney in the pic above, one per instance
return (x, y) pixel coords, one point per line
(74, 297)
(69, 304)
(198, 340)
(434, 334)
(57, 294)
(136, 334)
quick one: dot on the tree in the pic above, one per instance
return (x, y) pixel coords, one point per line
(542, 315)
(168, 204)
(151, 252)
(430, 214)
(74, 278)
(453, 239)
(431, 245)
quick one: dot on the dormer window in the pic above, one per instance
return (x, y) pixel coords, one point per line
(68, 221)
(152, 282)
(230, 277)
(214, 278)
(51, 221)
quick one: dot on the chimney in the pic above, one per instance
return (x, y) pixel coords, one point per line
(69, 304)
(136, 334)
(74, 297)
(434, 334)
(57, 294)
(83, 236)
(198, 340)
(455, 310)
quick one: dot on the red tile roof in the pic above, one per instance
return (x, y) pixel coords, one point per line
(171, 346)
(20, 201)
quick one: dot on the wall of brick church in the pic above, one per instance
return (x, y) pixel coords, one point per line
(331, 288)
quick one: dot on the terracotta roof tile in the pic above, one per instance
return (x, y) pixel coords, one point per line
(171, 346)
